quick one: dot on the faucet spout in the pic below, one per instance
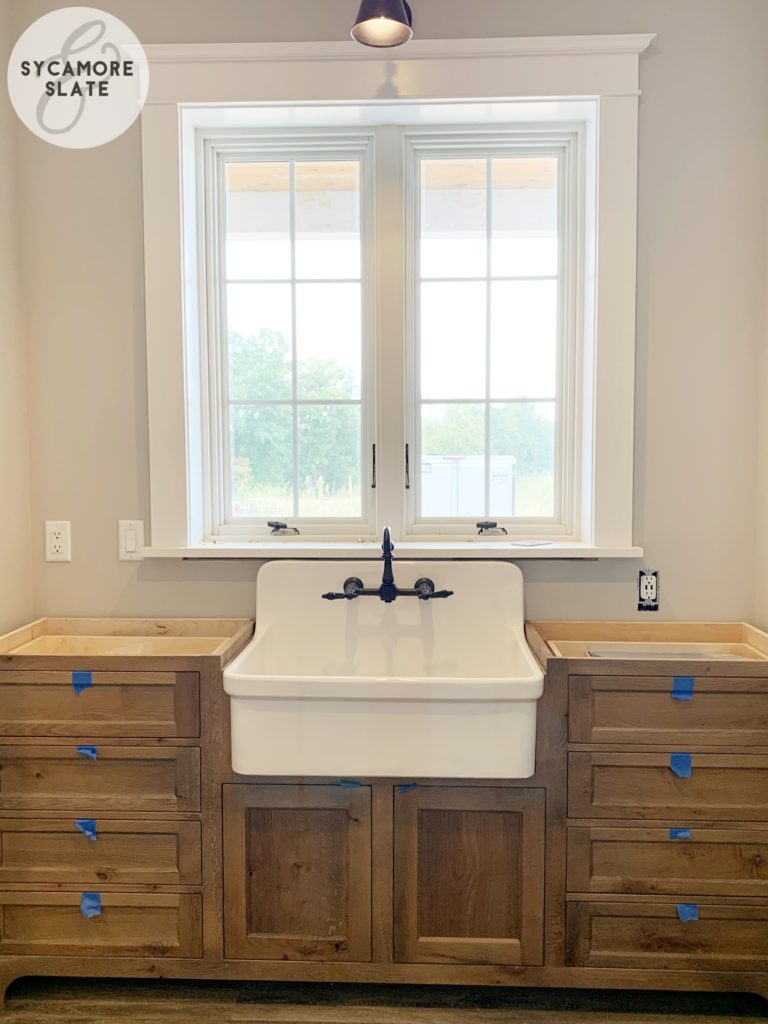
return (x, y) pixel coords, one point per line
(388, 577)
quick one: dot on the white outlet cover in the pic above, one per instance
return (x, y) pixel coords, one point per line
(58, 540)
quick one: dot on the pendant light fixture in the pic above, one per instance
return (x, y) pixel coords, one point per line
(383, 23)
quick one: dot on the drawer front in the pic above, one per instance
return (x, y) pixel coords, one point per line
(125, 704)
(718, 862)
(722, 787)
(124, 852)
(130, 924)
(626, 709)
(57, 778)
(726, 937)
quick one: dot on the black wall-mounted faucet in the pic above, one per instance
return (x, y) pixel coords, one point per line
(388, 592)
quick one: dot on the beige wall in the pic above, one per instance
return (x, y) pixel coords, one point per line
(15, 554)
(701, 311)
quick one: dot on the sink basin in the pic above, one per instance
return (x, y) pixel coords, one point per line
(441, 689)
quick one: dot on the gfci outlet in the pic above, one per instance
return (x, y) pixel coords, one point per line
(58, 540)
(648, 590)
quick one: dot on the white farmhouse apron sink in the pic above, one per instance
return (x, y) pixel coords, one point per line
(440, 689)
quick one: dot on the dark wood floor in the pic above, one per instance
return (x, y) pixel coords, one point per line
(42, 1001)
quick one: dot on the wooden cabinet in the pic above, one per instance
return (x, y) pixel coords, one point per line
(726, 937)
(723, 862)
(55, 851)
(129, 924)
(728, 711)
(297, 872)
(721, 787)
(58, 778)
(124, 704)
(469, 875)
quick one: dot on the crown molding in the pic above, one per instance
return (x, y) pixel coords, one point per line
(419, 49)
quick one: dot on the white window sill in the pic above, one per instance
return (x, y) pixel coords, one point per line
(479, 549)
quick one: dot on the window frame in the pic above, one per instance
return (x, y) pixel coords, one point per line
(566, 143)
(192, 84)
(215, 150)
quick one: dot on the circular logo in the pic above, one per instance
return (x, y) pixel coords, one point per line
(78, 77)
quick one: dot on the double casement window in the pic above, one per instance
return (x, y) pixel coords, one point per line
(392, 291)
(391, 297)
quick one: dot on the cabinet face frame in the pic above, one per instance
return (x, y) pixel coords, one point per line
(410, 946)
(355, 804)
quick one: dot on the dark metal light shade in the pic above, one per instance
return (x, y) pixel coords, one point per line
(383, 23)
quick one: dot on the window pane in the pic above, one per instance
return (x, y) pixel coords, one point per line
(328, 220)
(453, 218)
(259, 322)
(452, 460)
(329, 461)
(328, 340)
(523, 459)
(524, 240)
(524, 339)
(453, 338)
(261, 452)
(258, 242)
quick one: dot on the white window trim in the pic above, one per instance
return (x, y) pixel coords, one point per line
(604, 69)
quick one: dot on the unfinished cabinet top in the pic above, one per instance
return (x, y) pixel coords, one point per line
(126, 638)
(649, 642)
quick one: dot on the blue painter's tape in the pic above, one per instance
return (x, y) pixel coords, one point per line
(87, 826)
(90, 904)
(681, 765)
(407, 788)
(687, 912)
(679, 833)
(682, 687)
(350, 784)
(90, 752)
(81, 681)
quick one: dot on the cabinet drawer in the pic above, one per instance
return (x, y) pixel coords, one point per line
(633, 709)
(130, 924)
(718, 862)
(125, 704)
(722, 787)
(727, 937)
(152, 853)
(57, 778)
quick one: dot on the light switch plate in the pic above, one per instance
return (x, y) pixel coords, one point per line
(130, 547)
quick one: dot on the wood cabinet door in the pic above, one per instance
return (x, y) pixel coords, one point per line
(297, 872)
(469, 875)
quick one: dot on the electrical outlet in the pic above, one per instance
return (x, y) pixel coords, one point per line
(58, 540)
(648, 590)
(130, 534)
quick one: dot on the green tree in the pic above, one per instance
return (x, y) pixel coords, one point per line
(517, 429)
(262, 435)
